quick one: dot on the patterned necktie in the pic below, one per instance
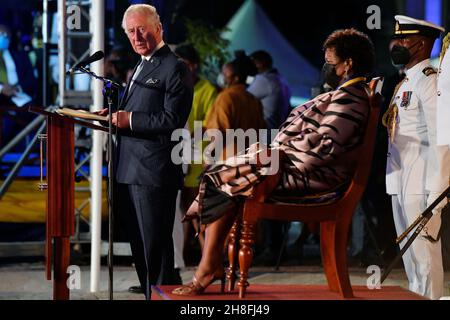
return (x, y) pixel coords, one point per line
(138, 70)
(3, 72)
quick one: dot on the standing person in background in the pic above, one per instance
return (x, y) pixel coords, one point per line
(417, 170)
(17, 86)
(156, 102)
(205, 94)
(16, 72)
(274, 93)
(234, 107)
(271, 89)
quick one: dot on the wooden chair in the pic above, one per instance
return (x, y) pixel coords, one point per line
(334, 218)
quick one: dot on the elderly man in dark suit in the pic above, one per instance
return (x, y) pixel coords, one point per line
(157, 101)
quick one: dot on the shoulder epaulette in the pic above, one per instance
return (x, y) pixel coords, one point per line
(428, 70)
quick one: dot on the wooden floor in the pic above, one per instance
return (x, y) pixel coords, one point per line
(23, 202)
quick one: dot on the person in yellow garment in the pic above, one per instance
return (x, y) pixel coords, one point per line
(205, 94)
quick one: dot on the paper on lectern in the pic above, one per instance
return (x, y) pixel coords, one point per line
(83, 114)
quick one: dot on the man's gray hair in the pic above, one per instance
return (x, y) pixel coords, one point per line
(144, 9)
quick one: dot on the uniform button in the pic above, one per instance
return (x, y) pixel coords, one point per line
(388, 154)
(438, 93)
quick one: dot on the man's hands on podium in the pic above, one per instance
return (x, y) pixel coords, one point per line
(121, 119)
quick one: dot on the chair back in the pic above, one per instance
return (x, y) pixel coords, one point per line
(366, 149)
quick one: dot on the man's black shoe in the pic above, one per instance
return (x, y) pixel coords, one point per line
(135, 289)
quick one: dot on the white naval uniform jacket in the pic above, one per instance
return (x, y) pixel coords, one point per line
(415, 164)
(443, 101)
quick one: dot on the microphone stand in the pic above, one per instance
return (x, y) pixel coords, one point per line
(108, 92)
(421, 221)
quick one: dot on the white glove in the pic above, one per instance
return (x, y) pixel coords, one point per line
(433, 226)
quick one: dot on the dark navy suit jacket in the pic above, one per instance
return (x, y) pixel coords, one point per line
(160, 101)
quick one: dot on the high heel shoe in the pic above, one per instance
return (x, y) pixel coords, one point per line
(195, 287)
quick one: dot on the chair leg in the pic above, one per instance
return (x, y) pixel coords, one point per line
(333, 246)
(245, 254)
(233, 253)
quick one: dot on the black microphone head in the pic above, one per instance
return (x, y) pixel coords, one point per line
(97, 56)
(94, 57)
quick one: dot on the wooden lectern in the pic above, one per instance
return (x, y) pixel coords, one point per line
(60, 215)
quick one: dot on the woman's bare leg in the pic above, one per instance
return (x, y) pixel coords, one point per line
(201, 235)
(215, 236)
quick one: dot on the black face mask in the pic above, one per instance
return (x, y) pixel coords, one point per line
(330, 76)
(400, 55)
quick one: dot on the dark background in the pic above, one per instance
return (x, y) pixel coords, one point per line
(305, 24)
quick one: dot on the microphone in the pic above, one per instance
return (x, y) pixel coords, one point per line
(94, 57)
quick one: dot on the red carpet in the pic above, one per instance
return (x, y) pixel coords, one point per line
(290, 292)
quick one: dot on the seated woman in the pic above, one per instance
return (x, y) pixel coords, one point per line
(316, 144)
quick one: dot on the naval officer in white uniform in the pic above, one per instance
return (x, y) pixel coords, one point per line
(417, 169)
(443, 94)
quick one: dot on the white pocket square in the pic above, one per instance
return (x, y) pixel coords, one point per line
(152, 81)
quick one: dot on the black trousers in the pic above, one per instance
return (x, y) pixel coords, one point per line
(147, 213)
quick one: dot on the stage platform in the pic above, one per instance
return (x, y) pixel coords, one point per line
(26, 281)
(290, 292)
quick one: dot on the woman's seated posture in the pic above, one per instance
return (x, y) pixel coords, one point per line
(316, 147)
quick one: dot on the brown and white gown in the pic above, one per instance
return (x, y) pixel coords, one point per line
(319, 139)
